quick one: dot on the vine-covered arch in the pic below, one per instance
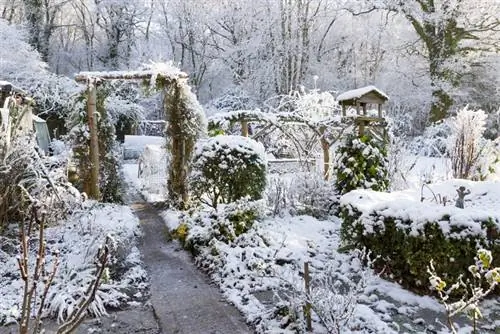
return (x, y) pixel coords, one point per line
(181, 110)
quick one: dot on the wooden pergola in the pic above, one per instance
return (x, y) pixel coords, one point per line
(164, 76)
(328, 131)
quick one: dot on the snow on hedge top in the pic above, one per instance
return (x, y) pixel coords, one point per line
(225, 143)
(481, 205)
(357, 93)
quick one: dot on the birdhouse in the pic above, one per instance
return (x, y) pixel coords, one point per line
(361, 99)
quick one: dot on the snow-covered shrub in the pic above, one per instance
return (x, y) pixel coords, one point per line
(199, 227)
(26, 175)
(406, 233)
(433, 142)
(335, 295)
(361, 163)
(302, 194)
(468, 149)
(400, 163)
(228, 168)
(485, 278)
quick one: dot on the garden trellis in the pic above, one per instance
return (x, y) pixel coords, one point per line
(173, 82)
(327, 130)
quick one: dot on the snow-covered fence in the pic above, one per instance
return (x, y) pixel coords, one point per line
(153, 169)
(280, 166)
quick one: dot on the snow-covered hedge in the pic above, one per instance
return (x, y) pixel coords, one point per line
(407, 233)
(228, 168)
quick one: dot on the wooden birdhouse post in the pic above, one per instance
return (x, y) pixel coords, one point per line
(361, 100)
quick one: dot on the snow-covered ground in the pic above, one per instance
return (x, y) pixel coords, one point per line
(259, 268)
(77, 239)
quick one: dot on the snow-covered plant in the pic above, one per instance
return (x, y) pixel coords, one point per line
(109, 155)
(24, 170)
(228, 168)
(302, 194)
(433, 142)
(336, 290)
(33, 273)
(313, 195)
(186, 125)
(399, 163)
(224, 224)
(466, 144)
(485, 278)
(361, 163)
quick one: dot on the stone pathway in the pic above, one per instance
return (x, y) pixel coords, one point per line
(182, 298)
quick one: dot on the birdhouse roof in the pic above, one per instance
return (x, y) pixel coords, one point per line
(360, 92)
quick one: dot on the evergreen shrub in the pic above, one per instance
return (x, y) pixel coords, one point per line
(228, 168)
(361, 163)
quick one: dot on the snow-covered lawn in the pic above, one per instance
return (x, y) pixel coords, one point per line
(77, 240)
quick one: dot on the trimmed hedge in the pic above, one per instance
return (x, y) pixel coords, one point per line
(228, 168)
(405, 253)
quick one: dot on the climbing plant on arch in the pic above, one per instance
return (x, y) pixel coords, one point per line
(183, 113)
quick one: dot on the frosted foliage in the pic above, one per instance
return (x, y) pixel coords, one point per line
(465, 145)
(228, 168)
(167, 69)
(18, 60)
(244, 145)
(196, 123)
(317, 105)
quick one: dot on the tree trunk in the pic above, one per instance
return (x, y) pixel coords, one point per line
(326, 154)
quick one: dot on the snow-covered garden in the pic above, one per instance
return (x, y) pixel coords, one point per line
(366, 203)
(254, 241)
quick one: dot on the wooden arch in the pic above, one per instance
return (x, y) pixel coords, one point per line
(166, 76)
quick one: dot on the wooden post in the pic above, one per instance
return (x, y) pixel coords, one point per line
(307, 307)
(379, 110)
(244, 128)
(326, 153)
(94, 140)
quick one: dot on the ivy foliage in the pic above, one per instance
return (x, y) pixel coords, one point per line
(362, 163)
(228, 168)
(110, 182)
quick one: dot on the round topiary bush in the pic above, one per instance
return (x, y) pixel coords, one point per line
(361, 163)
(228, 168)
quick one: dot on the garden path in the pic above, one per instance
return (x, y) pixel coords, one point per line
(182, 298)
